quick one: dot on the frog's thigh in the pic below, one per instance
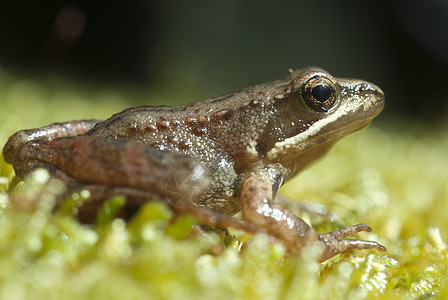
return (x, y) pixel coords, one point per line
(259, 209)
(93, 160)
(55, 130)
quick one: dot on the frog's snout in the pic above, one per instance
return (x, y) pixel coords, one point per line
(374, 96)
(378, 93)
(368, 97)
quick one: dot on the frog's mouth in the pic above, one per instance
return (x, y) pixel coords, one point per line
(324, 135)
(313, 138)
(331, 136)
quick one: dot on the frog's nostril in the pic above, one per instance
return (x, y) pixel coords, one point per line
(371, 91)
(377, 89)
(378, 93)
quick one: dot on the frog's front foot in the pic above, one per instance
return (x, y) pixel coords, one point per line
(334, 243)
(260, 210)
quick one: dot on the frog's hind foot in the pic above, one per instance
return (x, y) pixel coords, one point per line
(335, 245)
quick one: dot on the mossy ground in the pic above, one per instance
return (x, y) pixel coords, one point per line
(392, 178)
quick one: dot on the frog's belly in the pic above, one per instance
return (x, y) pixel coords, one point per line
(229, 206)
(223, 192)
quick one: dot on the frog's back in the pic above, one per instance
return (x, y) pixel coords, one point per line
(222, 126)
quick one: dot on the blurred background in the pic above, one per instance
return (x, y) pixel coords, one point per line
(78, 59)
(189, 50)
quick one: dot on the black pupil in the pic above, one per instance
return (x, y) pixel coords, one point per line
(321, 92)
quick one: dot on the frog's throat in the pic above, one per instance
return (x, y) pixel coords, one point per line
(317, 133)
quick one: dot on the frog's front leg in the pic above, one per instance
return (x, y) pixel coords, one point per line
(258, 208)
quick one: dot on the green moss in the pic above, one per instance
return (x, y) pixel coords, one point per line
(391, 179)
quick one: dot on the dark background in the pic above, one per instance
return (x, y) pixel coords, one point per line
(206, 48)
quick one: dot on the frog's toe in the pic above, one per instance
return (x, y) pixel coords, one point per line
(348, 231)
(334, 243)
(334, 247)
(360, 245)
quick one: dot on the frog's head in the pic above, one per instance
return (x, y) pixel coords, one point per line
(318, 110)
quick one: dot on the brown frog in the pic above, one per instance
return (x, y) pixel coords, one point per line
(212, 158)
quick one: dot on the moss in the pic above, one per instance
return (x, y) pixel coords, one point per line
(395, 181)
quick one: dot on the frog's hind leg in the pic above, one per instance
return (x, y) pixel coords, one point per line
(107, 167)
(111, 166)
(136, 198)
(55, 130)
(212, 218)
(121, 163)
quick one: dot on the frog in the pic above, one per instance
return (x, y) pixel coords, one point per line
(214, 158)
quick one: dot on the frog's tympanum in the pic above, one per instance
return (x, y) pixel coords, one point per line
(212, 158)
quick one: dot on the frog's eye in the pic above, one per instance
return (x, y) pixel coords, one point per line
(319, 93)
